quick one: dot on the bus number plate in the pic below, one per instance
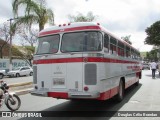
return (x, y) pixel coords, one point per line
(58, 81)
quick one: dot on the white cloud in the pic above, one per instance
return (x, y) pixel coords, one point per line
(122, 17)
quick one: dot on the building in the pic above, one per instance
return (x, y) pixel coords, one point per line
(4, 52)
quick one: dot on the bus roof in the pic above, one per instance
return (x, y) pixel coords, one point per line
(79, 26)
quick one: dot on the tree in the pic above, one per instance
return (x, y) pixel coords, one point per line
(82, 18)
(153, 34)
(23, 52)
(5, 32)
(35, 12)
(127, 39)
(152, 55)
(30, 37)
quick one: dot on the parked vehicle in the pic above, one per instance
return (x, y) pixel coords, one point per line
(12, 101)
(2, 73)
(145, 66)
(22, 71)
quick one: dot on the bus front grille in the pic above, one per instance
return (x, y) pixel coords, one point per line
(90, 74)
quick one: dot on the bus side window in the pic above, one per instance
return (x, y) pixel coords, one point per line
(120, 48)
(111, 49)
(128, 53)
(132, 54)
(106, 43)
(113, 46)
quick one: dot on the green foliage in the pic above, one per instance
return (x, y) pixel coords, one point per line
(30, 48)
(153, 34)
(127, 39)
(35, 12)
(152, 55)
(82, 18)
(143, 54)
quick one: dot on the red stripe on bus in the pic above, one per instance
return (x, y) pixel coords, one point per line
(81, 59)
(103, 96)
(62, 95)
(70, 29)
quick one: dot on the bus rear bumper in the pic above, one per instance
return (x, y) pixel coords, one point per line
(43, 93)
(84, 95)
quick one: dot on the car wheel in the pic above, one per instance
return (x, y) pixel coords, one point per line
(1, 76)
(17, 75)
(31, 73)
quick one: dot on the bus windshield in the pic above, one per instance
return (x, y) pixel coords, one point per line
(48, 44)
(81, 41)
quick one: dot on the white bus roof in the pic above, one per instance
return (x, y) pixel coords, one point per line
(78, 26)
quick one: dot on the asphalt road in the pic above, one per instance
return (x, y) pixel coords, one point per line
(145, 97)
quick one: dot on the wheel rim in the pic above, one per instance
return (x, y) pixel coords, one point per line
(13, 103)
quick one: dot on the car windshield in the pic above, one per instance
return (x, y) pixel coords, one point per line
(48, 44)
(81, 41)
(15, 69)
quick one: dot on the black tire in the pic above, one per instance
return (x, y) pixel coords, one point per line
(17, 75)
(13, 102)
(31, 73)
(1, 76)
(137, 83)
(120, 95)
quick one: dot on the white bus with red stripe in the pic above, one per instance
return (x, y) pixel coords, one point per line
(83, 61)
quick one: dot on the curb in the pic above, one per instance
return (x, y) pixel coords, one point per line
(20, 84)
(22, 92)
(21, 88)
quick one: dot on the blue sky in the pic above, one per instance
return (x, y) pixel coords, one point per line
(121, 17)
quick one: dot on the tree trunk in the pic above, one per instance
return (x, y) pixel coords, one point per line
(41, 27)
(1, 52)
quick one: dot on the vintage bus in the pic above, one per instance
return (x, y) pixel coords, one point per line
(83, 60)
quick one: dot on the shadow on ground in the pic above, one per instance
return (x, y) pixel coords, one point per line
(88, 109)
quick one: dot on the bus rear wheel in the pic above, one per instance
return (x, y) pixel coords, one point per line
(137, 83)
(120, 95)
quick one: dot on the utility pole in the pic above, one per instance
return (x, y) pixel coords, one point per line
(10, 46)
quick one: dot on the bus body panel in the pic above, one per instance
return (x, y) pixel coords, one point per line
(82, 75)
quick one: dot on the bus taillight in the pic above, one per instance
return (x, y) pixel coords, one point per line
(86, 88)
